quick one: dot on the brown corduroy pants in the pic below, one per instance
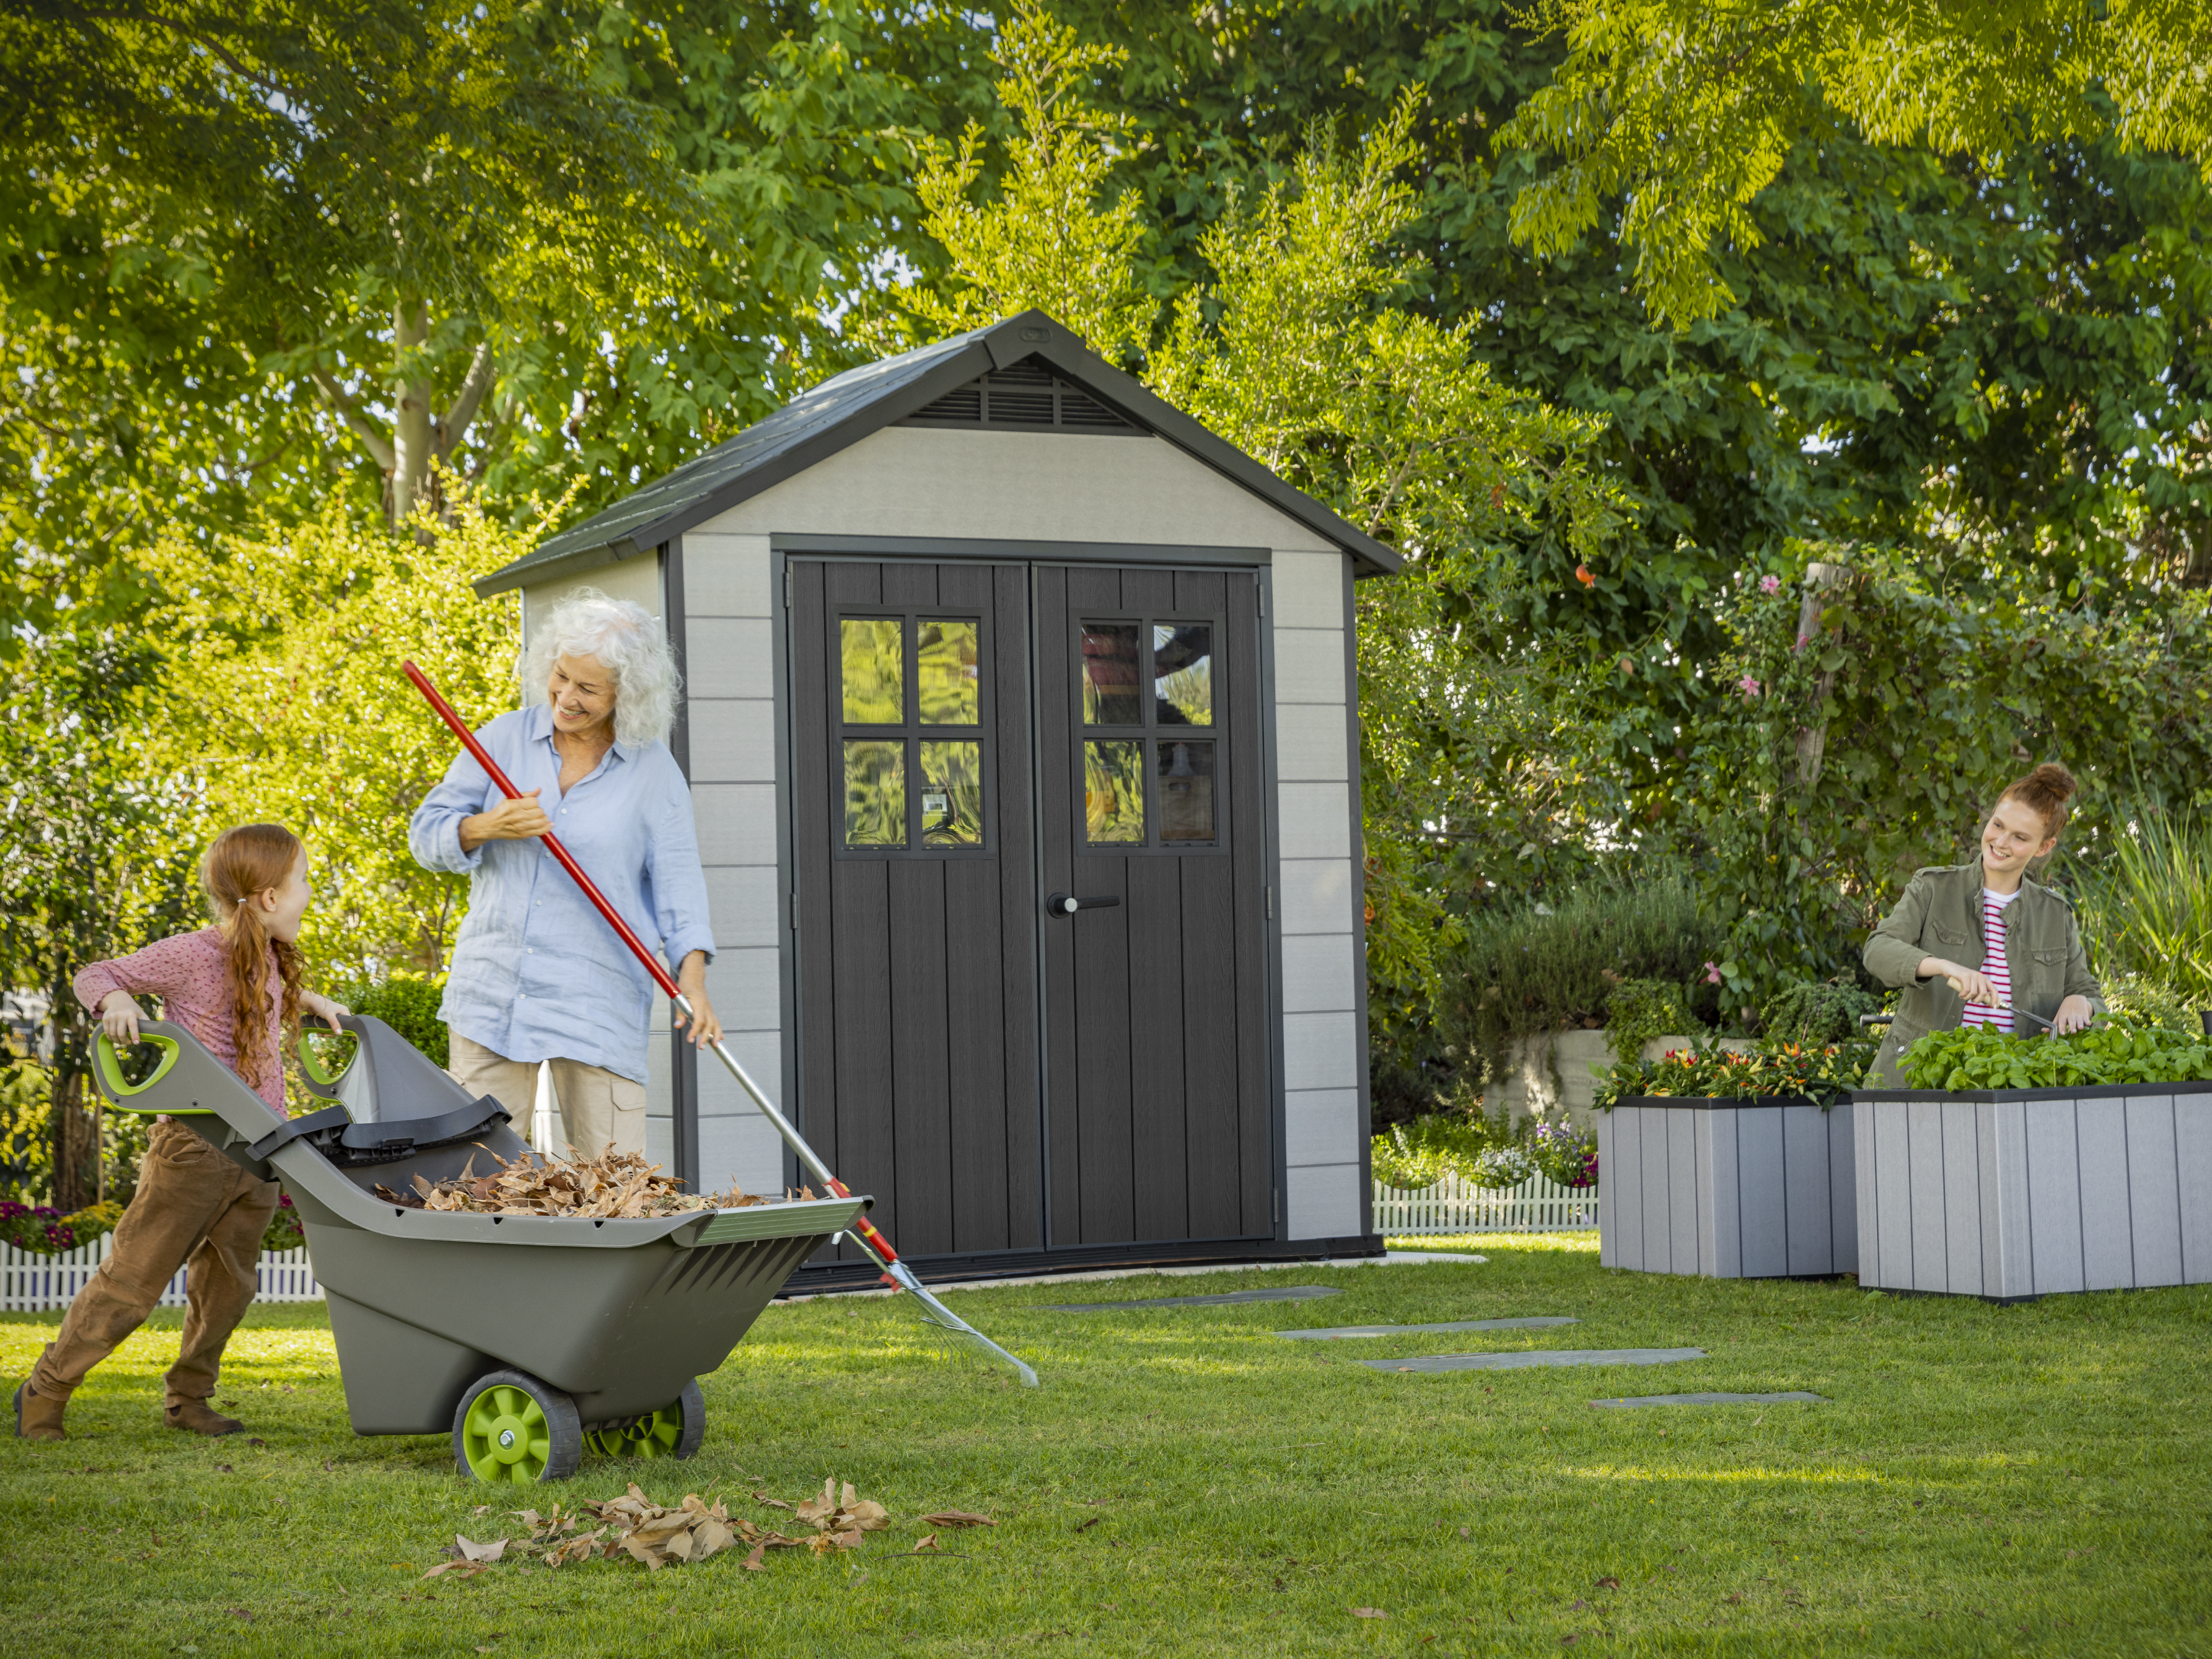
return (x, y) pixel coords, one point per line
(194, 1209)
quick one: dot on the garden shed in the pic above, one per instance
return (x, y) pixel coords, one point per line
(968, 633)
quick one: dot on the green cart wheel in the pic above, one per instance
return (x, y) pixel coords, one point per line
(674, 1431)
(511, 1429)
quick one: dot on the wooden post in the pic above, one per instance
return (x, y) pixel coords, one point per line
(1813, 740)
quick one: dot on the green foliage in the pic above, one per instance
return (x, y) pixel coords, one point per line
(1771, 1070)
(1524, 971)
(2148, 1002)
(407, 1002)
(1822, 1013)
(1675, 115)
(1982, 1057)
(1563, 1154)
(1422, 1153)
(1924, 707)
(1640, 1010)
(285, 1230)
(2149, 910)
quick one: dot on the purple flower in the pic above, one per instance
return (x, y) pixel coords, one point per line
(1712, 973)
(1769, 584)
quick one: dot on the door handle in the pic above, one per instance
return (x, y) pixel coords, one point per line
(1066, 904)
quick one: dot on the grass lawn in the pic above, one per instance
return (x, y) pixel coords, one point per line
(2029, 1480)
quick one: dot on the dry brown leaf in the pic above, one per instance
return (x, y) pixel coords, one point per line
(777, 1503)
(1369, 1613)
(752, 1563)
(613, 1185)
(956, 1518)
(491, 1552)
(927, 1543)
(459, 1569)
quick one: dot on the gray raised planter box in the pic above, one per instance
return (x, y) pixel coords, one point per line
(1728, 1189)
(2014, 1193)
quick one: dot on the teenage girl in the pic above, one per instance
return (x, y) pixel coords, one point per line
(236, 988)
(1973, 944)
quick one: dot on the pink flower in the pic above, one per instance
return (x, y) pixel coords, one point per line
(1712, 973)
(1769, 584)
(1748, 686)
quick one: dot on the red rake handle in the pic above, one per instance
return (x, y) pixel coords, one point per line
(862, 1226)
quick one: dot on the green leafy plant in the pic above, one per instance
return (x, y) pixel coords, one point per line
(2121, 1052)
(2149, 909)
(2143, 1002)
(284, 1231)
(1421, 1152)
(1642, 1009)
(1823, 1012)
(1563, 1154)
(407, 1002)
(1772, 1070)
(47, 1231)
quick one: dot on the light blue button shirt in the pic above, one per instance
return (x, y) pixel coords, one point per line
(536, 973)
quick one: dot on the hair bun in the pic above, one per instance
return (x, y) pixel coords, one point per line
(2055, 779)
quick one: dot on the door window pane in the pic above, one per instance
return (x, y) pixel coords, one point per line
(1186, 779)
(945, 660)
(1109, 675)
(1182, 673)
(875, 792)
(1114, 793)
(874, 669)
(951, 785)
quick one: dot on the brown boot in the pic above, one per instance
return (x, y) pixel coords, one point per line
(37, 1417)
(198, 1417)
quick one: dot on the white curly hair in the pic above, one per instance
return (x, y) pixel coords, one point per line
(628, 641)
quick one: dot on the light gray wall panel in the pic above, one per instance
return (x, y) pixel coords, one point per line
(1309, 590)
(1727, 1196)
(1923, 1123)
(1893, 1173)
(739, 1151)
(742, 899)
(733, 741)
(1310, 740)
(1658, 1218)
(1762, 1205)
(1316, 820)
(2108, 1253)
(1842, 1186)
(2054, 1196)
(1318, 974)
(746, 990)
(728, 656)
(2192, 1162)
(1869, 1217)
(737, 823)
(1019, 486)
(1811, 1248)
(1708, 1247)
(1620, 1206)
(1962, 1200)
(1315, 894)
(2154, 1190)
(761, 1053)
(1309, 665)
(2005, 1153)
(1321, 1126)
(1321, 1051)
(1322, 1201)
(1608, 1237)
(1683, 1188)
(726, 575)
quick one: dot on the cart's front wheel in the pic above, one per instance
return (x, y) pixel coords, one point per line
(513, 1428)
(674, 1431)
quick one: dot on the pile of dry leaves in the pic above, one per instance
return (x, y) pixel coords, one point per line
(633, 1525)
(613, 1184)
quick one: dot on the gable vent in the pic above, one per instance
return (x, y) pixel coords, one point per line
(1025, 394)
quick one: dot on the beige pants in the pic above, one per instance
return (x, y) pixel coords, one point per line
(194, 1209)
(600, 1111)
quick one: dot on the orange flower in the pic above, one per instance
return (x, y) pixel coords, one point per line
(1583, 576)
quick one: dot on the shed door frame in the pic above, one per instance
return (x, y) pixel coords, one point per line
(1255, 561)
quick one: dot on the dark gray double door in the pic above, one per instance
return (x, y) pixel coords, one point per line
(968, 741)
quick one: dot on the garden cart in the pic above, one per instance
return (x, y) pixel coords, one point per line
(527, 1337)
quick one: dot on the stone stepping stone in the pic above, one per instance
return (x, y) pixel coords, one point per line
(1333, 1332)
(1287, 1293)
(1710, 1399)
(1506, 1362)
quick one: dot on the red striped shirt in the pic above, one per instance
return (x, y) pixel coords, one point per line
(1994, 965)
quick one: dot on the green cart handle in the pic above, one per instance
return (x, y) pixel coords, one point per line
(110, 1074)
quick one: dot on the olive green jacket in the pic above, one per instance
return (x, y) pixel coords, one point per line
(1941, 916)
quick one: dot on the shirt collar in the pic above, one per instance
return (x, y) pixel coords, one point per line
(539, 723)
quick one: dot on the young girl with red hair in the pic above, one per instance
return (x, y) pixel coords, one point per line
(236, 988)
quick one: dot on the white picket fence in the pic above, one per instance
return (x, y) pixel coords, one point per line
(31, 1282)
(1456, 1205)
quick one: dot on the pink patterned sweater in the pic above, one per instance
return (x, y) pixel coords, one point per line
(191, 973)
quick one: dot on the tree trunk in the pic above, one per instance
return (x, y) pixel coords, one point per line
(414, 430)
(1812, 739)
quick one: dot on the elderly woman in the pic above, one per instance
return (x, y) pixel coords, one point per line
(1972, 942)
(538, 975)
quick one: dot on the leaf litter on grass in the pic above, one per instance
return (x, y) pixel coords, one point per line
(656, 1536)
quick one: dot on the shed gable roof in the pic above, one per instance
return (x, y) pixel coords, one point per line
(840, 412)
